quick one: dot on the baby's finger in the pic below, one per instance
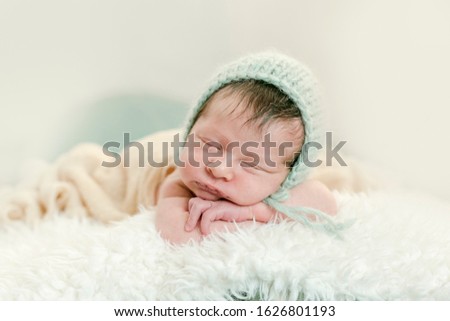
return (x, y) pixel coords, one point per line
(197, 207)
(194, 216)
(192, 202)
(205, 223)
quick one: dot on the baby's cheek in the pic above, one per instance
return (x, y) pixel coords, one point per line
(191, 157)
(187, 170)
(183, 155)
(248, 193)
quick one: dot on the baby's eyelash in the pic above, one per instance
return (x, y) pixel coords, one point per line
(213, 144)
(250, 165)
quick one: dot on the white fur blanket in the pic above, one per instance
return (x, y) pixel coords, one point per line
(398, 248)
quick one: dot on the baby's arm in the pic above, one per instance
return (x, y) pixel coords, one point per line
(207, 212)
(171, 215)
(173, 210)
(311, 193)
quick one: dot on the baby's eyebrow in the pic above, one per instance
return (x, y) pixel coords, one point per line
(221, 138)
(213, 136)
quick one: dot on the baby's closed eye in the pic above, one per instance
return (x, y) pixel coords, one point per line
(249, 164)
(212, 146)
(252, 166)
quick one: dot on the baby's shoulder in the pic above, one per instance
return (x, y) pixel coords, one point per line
(313, 193)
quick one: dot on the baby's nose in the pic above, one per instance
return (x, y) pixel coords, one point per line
(220, 170)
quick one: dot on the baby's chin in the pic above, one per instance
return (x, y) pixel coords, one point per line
(207, 196)
(215, 198)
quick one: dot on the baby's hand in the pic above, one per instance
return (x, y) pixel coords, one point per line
(197, 206)
(211, 211)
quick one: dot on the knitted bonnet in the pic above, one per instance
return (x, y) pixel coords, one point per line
(298, 83)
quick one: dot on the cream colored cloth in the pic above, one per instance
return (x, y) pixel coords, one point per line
(78, 184)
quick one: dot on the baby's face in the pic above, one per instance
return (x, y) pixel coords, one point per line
(234, 161)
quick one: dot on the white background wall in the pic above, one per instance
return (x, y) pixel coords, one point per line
(383, 66)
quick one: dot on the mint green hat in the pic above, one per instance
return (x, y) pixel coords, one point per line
(296, 81)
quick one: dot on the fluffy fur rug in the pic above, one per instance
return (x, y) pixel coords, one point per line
(397, 249)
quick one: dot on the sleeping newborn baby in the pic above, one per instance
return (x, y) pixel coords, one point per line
(246, 153)
(248, 148)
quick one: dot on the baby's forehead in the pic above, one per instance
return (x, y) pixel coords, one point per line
(225, 102)
(283, 136)
(232, 106)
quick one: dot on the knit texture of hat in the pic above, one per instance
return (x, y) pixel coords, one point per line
(296, 81)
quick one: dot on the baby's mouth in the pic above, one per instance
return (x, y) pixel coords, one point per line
(209, 189)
